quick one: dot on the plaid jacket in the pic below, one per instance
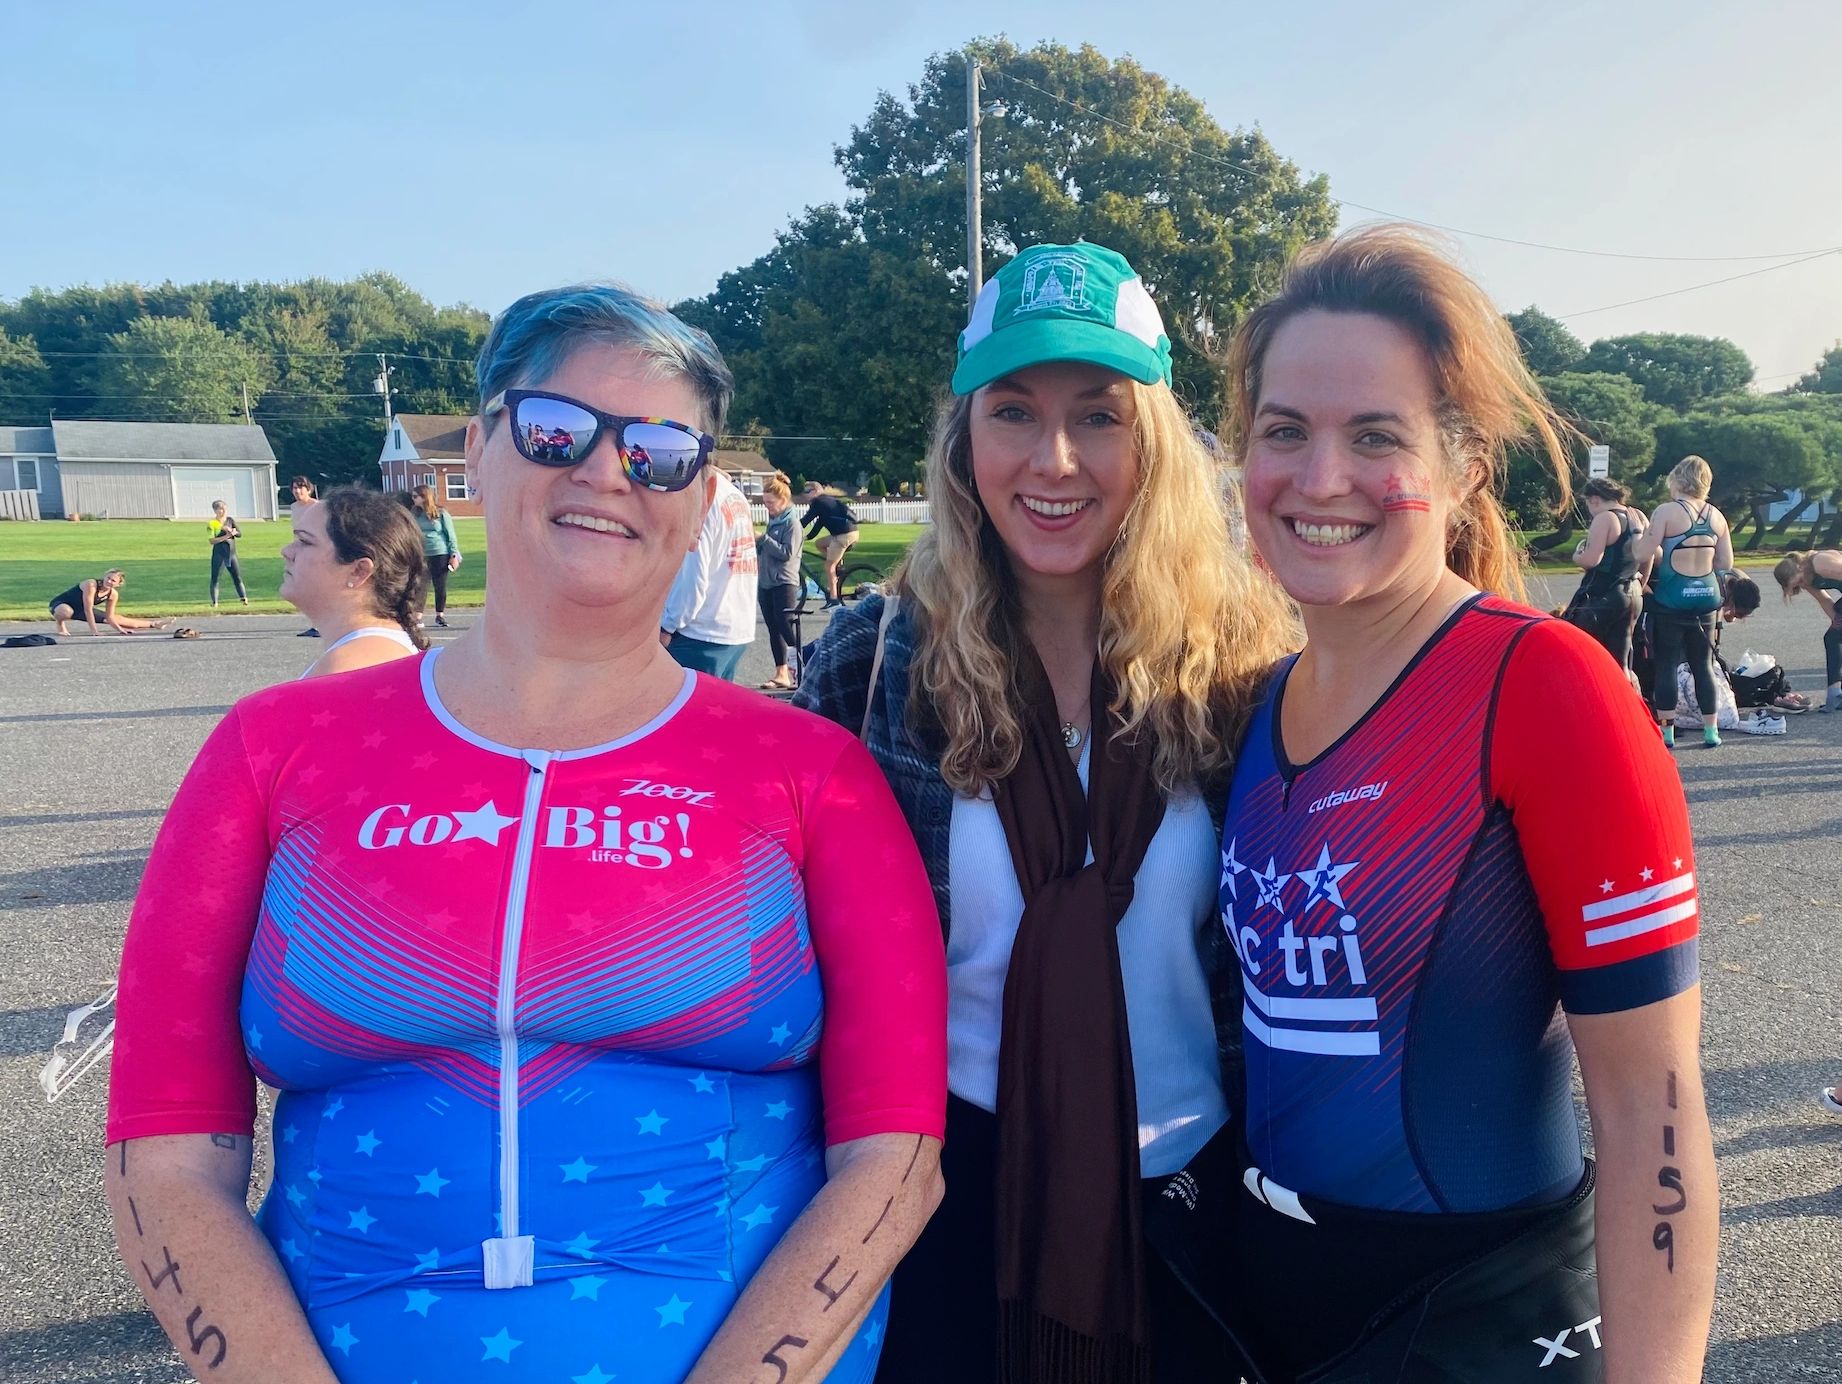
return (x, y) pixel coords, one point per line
(835, 683)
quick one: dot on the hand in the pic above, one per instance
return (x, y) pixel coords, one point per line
(453, 562)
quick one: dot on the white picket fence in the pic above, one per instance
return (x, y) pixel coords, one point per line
(869, 511)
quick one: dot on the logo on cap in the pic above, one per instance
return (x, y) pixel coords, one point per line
(1055, 283)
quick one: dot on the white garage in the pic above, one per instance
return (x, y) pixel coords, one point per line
(163, 470)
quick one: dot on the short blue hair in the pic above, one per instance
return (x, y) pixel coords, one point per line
(532, 338)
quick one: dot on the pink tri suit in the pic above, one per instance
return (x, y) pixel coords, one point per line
(560, 1037)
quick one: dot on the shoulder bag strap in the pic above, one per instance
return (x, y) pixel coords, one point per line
(891, 603)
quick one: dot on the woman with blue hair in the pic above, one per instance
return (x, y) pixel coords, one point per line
(591, 1064)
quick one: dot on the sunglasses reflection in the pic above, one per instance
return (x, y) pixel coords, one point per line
(558, 443)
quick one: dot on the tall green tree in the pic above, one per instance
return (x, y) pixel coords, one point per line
(25, 382)
(1547, 345)
(1756, 458)
(1606, 410)
(1826, 376)
(182, 369)
(1673, 370)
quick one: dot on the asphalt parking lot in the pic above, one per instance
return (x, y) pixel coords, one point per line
(95, 734)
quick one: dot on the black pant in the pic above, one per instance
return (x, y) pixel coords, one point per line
(438, 579)
(1609, 617)
(943, 1318)
(224, 556)
(1832, 654)
(777, 604)
(1677, 637)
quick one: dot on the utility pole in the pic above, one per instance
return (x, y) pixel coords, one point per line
(382, 386)
(246, 418)
(975, 247)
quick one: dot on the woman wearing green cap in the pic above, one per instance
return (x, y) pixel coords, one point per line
(1065, 659)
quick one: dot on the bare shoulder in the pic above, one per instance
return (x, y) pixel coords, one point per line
(360, 653)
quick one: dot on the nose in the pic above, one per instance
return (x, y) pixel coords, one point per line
(602, 469)
(1055, 455)
(1324, 471)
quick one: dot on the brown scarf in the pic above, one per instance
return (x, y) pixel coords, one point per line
(1071, 1271)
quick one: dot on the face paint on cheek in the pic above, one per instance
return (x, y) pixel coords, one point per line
(1408, 492)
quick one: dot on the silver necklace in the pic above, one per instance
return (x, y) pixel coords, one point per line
(1072, 735)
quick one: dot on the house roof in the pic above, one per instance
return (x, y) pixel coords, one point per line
(81, 440)
(739, 463)
(435, 436)
(25, 441)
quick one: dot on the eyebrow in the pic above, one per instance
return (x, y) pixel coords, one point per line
(1357, 420)
(1011, 384)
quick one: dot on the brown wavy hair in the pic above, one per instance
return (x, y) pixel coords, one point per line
(368, 523)
(1188, 629)
(1488, 403)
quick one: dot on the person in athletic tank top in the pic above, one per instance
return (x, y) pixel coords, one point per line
(1690, 544)
(595, 1060)
(1820, 574)
(1610, 597)
(1410, 895)
(355, 568)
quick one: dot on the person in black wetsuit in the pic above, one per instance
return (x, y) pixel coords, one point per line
(94, 599)
(1689, 539)
(1610, 597)
(828, 512)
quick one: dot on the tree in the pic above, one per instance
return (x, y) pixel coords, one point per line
(180, 369)
(1607, 410)
(1673, 370)
(1547, 345)
(1090, 148)
(1756, 459)
(25, 383)
(1826, 377)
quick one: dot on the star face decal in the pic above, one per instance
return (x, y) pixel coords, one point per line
(499, 1347)
(420, 1300)
(1270, 884)
(1324, 881)
(430, 1183)
(672, 1313)
(1232, 870)
(579, 1170)
(482, 824)
(652, 1122)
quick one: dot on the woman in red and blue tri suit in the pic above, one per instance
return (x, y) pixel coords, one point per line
(1425, 931)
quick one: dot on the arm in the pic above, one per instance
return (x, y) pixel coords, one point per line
(89, 603)
(182, 1097)
(1658, 1210)
(185, 1234)
(1723, 544)
(812, 519)
(1828, 605)
(693, 581)
(1623, 920)
(447, 532)
(778, 548)
(882, 1062)
(1592, 548)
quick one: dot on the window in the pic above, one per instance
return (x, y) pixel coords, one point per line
(28, 472)
(457, 485)
(428, 479)
(398, 444)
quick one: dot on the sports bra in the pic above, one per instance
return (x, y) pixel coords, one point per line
(396, 636)
(1679, 590)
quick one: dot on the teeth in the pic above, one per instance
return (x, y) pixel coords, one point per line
(1054, 509)
(585, 521)
(1329, 535)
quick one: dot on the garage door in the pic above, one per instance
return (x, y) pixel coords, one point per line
(195, 487)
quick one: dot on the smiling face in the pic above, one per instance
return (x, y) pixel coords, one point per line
(1348, 490)
(586, 530)
(1055, 463)
(312, 577)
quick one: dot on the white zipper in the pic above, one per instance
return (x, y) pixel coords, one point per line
(508, 1257)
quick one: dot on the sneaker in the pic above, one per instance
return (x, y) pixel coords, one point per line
(1791, 703)
(1763, 725)
(441, 622)
(1831, 1099)
(308, 634)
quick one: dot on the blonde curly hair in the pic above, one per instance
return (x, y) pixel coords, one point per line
(1189, 629)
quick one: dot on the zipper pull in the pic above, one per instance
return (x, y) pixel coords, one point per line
(539, 760)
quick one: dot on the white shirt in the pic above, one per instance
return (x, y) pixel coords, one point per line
(713, 598)
(1174, 1062)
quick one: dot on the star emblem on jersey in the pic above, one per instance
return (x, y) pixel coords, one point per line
(1270, 885)
(1231, 870)
(1323, 880)
(482, 824)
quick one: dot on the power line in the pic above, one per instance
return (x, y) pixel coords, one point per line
(1671, 293)
(1194, 152)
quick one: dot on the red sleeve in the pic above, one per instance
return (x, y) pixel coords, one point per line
(883, 1054)
(179, 1065)
(1603, 825)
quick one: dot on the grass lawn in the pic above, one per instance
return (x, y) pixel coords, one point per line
(169, 563)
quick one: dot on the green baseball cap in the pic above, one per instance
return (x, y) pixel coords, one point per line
(1063, 302)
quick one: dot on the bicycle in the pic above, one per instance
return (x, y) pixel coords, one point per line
(853, 578)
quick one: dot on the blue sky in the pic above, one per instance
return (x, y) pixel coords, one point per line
(277, 141)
